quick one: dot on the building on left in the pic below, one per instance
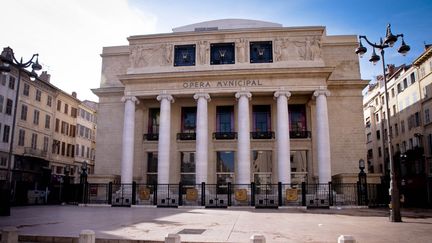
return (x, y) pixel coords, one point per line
(48, 136)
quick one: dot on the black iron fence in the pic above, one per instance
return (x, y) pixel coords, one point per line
(207, 195)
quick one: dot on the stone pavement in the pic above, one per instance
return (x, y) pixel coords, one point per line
(222, 225)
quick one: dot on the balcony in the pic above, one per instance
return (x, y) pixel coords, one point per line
(186, 136)
(262, 135)
(151, 136)
(224, 135)
(300, 134)
(28, 151)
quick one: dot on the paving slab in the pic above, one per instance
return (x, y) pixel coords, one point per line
(221, 225)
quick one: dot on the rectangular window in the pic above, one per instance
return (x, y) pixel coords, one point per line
(399, 88)
(45, 146)
(24, 112)
(26, 89)
(405, 83)
(47, 121)
(88, 152)
(184, 55)
(73, 112)
(188, 122)
(394, 110)
(63, 148)
(72, 151)
(21, 137)
(57, 125)
(378, 135)
(427, 116)
(370, 154)
(72, 131)
(261, 118)
(49, 101)
(68, 150)
(392, 92)
(152, 166)
(402, 126)
(11, 82)
(3, 161)
(369, 138)
(38, 95)
(66, 109)
(6, 131)
(225, 167)
(379, 152)
(222, 53)
(82, 150)
(297, 116)
(1, 103)
(187, 168)
(153, 122)
(36, 117)
(396, 129)
(225, 119)
(261, 52)
(59, 105)
(34, 141)
(9, 104)
(3, 79)
(413, 79)
(262, 166)
(77, 149)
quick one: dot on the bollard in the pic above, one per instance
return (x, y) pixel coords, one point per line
(256, 238)
(346, 239)
(87, 236)
(172, 238)
(9, 235)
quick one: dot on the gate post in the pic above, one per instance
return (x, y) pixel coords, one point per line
(280, 193)
(330, 193)
(303, 186)
(203, 193)
(134, 193)
(180, 196)
(155, 189)
(110, 192)
(229, 193)
(252, 193)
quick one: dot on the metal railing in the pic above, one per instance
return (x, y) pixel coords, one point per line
(35, 152)
(208, 195)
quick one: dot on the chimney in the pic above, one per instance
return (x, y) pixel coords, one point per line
(74, 94)
(45, 76)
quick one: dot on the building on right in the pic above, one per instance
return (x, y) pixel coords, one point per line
(410, 103)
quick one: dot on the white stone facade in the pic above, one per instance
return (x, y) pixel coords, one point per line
(316, 74)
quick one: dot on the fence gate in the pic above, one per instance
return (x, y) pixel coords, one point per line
(216, 196)
(318, 195)
(266, 196)
(121, 195)
(167, 195)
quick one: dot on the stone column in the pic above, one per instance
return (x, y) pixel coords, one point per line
(164, 138)
(243, 142)
(128, 139)
(283, 137)
(201, 151)
(323, 136)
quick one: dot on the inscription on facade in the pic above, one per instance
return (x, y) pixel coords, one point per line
(221, 84)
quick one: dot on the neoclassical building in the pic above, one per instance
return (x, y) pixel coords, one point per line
(231, 100)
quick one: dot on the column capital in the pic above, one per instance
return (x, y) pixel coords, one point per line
(202, 95)
(321, 92)
(247, 94)
(165, 96)
(282, 93)
(128, 97)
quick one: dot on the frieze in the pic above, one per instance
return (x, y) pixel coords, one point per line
(300, 49)
(221, 84)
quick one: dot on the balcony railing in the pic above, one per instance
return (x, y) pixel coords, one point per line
(35, 152)
(224, 135)
(262, 135)
(300, 134)
(151, 136)
(186, 136)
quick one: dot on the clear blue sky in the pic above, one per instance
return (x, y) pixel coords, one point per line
(69, 35)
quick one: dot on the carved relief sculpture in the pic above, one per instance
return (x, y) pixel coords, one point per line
(151, 55)
(241, 50)
(203, 50)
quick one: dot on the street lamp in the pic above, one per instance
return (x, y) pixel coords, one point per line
(8, 58)
(389, 41)
(362, 184)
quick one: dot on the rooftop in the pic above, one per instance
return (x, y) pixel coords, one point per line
(226, 24)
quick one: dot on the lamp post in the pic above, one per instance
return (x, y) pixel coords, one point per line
(8, 58)
(362, 184)
(389, 41)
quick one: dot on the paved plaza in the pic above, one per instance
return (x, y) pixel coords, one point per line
(222, 225)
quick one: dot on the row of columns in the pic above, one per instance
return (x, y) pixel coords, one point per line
(243, 141)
